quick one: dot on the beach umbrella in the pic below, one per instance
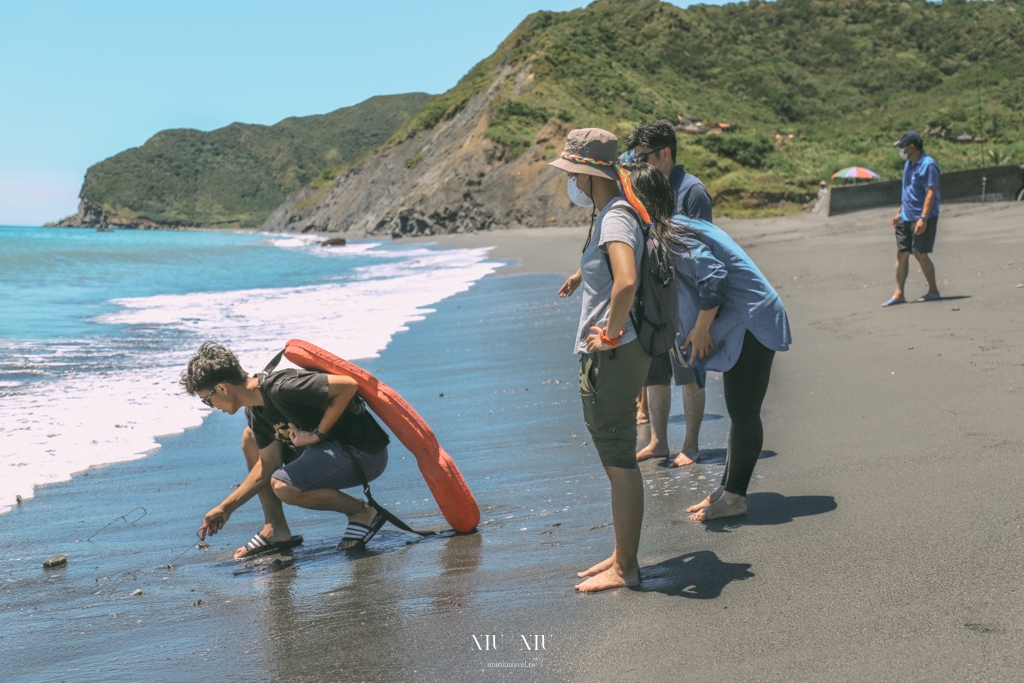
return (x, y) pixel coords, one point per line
(855, 172)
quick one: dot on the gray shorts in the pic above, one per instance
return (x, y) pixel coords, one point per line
(329, 465)
(666, 367)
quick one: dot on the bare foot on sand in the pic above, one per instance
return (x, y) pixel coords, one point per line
(687, 456)
(715, 495)
(727, 505)
(610, 578)
(269, 533)
(597, 568)
(649, 452)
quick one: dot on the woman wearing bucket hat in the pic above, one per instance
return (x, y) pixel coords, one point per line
(612, 363)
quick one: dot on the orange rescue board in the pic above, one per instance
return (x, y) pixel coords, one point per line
(437, 467)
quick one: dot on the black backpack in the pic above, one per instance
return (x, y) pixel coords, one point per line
(655, 312)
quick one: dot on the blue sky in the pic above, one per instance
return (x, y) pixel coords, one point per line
(82, 81)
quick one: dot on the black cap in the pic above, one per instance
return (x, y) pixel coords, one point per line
(909, 137)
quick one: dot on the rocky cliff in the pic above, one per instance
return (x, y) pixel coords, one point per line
(449, 178)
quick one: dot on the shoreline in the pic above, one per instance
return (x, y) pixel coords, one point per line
(855, 560)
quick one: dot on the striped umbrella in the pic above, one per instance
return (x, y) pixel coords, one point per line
(855, 172)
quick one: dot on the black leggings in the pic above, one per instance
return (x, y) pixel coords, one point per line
(745, 386)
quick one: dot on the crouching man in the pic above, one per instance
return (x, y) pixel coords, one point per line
(308, 436)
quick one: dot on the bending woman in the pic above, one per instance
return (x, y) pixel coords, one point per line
(732, 321)
(612, 363)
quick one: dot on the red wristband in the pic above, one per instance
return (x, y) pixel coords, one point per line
(610, 342)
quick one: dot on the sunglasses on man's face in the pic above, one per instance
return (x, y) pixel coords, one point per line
(634, 157)
(206, 399)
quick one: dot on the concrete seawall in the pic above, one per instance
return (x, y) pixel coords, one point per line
(998, 184)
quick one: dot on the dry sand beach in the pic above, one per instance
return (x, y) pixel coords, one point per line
(883, 540)
(907, 421)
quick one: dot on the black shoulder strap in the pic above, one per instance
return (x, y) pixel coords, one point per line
(359, 470)
(637, 323)
(272, 365)
(388, 515)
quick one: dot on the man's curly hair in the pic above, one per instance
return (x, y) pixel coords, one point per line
(211, 365)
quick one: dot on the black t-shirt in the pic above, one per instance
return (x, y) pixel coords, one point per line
(301, 397)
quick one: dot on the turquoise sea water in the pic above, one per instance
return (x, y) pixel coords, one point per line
(96, 326)
(491, 370)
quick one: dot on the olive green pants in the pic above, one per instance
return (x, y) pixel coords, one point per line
(609, 384)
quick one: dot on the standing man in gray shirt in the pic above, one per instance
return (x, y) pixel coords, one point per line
(655, 144)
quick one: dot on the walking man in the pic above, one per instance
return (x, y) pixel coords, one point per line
(655, 144)
(915, 223)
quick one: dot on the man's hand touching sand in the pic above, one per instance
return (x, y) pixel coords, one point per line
(214, 521)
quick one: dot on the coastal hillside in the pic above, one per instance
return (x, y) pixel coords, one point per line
(806, 87)
(237, 175)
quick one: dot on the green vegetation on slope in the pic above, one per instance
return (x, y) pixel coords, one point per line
(847, 77)
(237, 175)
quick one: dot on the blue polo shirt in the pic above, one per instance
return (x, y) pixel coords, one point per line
(917, 178)
(692, 198)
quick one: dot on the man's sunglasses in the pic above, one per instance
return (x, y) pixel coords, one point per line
(206, 399)
(631, 157)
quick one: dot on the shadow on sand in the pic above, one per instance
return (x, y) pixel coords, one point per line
(715, 456)
(700, 575)
(766, 509)
(680, 419)
(941, 298)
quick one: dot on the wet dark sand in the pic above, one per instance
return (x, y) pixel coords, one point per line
(882, 541)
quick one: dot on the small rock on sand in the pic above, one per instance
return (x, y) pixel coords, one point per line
(55, 561)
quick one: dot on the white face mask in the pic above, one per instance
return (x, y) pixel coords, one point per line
(576, 195)
(903, 154)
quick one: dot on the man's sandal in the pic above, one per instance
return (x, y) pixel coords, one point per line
(361, 533)
(259, 545)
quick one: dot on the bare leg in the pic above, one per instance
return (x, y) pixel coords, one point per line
(902, 268)
(928, 269)
(694, 399)
(628, 516)
(642, 416)
(326, 499)
(727, 505)
(659, 403)
(275, 527)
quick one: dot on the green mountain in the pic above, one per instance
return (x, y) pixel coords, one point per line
(237, 175)
(844, 77)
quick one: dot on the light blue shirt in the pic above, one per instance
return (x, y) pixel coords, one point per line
(717, 272)
(917, 178)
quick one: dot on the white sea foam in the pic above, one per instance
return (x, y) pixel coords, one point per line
(54, 428)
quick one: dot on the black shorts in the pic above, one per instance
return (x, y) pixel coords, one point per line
(906, 240)
(664, 368)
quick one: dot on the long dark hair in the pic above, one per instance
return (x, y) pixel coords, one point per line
(652, 188)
